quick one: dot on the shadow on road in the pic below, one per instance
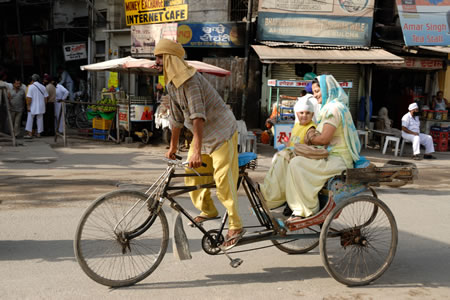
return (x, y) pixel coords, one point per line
(419, 261)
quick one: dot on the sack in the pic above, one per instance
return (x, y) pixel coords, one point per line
(310, 151)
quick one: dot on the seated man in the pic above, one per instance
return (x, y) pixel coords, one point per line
(411, 132)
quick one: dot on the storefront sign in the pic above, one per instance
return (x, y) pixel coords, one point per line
(224, 35)
(282, 133)
(74, 51)
(327, 22)
(123, 116)
(424, 63)
(425, 22)
(139, 12)
(145, 37)
(302, 83)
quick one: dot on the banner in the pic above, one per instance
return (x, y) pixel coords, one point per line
(223, 35)
(74, 51)
(334, 22)
(425, 22)
(139, 12)
(145, 37)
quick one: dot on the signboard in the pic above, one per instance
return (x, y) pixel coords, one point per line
(422, 63)
(334, 22)
(425, 22)
(74, 51)
(223, 35)
(302, 83)
(145, 37)
(282, 132)
(123, 116)
(139, 12)
(141, 113)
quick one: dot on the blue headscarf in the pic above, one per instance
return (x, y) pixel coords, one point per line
(333, 95)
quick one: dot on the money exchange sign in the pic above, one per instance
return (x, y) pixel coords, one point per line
(138, 12)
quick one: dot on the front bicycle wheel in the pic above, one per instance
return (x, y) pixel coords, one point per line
(104, 244)
(358, 240)
(82, 121)
(299, 245)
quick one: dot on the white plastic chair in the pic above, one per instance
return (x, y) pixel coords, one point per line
(403, 145)
(392, 139)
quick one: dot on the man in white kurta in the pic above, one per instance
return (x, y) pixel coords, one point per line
(411, 132)
(61, 94)
(36, 97)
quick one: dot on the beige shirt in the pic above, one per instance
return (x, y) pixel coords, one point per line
(196, 98)
(51, 90)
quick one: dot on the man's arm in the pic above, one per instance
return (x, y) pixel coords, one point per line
(174, 142)
(409, 131)
(28, 99)
(195, 160)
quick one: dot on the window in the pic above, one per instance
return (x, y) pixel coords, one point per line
(100, 48)
(238, 10)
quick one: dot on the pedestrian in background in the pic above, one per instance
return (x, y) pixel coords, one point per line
(16, 97)
(36, 98)
(61, 94)
(66, 81)
(49, 117)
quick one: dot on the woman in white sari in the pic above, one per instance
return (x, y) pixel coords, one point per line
(306, 177)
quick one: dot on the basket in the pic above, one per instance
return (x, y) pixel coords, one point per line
(100, 123)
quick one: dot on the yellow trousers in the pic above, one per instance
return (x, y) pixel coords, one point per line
(223, 164)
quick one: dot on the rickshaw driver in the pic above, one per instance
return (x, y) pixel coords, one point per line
(195, 104)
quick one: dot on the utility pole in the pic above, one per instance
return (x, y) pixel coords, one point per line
(247, 63)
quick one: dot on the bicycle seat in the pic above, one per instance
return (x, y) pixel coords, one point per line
(246, 157)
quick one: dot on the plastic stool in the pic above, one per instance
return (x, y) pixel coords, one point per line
(250, 143)
(391, 139)
(363, 134)
(403, 145)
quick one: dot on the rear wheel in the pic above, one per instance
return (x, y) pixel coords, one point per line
(358, 240)
(103, 244)
(82, 121)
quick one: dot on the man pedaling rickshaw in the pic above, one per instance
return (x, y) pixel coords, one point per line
(195, 104)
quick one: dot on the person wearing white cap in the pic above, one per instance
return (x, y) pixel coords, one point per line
(411, 132)
(274, 187)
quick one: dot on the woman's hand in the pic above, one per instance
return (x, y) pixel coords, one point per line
(325, 137)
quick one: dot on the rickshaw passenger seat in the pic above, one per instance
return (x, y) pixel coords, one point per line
(246, 157)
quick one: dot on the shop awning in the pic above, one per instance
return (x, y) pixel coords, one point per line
(284, 55)
(439, 49)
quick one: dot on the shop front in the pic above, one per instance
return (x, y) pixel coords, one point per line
(417, 79)
(348, 65)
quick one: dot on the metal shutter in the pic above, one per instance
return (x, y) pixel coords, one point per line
(345, 73)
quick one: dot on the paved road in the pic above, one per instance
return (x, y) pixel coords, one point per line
(45, 190)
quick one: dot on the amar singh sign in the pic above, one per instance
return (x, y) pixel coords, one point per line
(139, 12)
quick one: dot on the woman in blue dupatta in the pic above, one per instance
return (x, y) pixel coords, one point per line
(306, 177)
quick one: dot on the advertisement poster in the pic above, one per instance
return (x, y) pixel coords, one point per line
(425, 22)
(145, 37)
(282, 133)
(140, 12)
(74, 51)
(322, 22)
(224, 35)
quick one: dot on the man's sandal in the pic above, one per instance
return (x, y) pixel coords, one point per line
(200, 219)
(235, 238)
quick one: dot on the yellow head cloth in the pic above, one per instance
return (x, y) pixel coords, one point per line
(175, 68)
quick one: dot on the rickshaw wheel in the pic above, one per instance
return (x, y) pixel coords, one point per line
(358, 240)
(299, 246)
(145, 136)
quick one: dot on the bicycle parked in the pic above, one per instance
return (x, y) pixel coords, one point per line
(123, 235)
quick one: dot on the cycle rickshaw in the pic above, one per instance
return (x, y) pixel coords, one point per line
(123, 236)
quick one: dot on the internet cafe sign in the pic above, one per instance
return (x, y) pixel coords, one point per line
(139, 12)
(334, 22)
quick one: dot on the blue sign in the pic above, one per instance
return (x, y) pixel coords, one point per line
(221, 35)
(425, 22)
(317, 29)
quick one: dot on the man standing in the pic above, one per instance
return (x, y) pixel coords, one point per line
(411, 132)
(66, 81)
(16, 98)
(195, 104)
(49, 117)
(36, 97)
(61, 94)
